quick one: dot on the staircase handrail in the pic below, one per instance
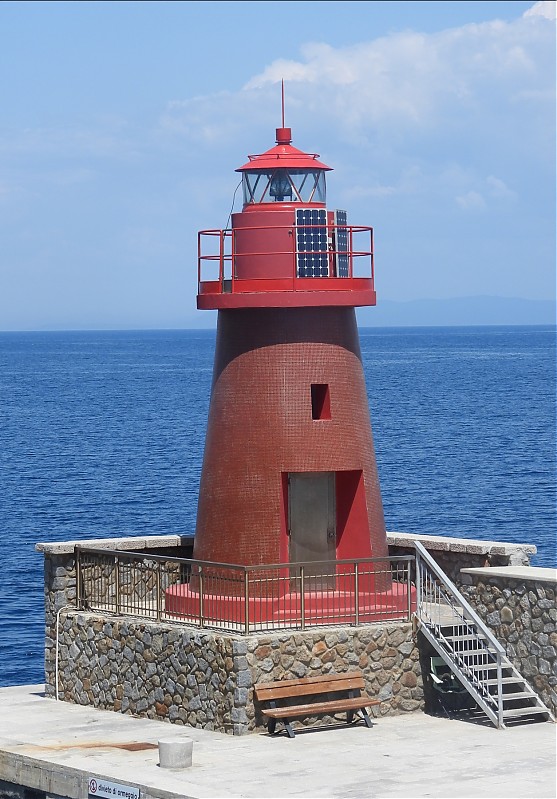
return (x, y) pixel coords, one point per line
(469, 612)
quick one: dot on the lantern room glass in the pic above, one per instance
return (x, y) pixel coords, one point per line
(284, 186)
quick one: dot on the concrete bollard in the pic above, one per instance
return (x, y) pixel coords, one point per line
(175, 753)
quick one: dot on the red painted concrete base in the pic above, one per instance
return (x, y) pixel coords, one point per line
(320, 607)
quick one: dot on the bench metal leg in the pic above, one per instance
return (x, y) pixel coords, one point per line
(288, 728)
(349, 717)
(366, 718)
(271, 726)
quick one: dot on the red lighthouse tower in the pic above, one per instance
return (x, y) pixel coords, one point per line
(289, 471)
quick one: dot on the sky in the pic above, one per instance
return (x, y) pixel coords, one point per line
(122, 123)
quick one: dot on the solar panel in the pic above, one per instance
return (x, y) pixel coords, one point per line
(341, 243)
(312, 256)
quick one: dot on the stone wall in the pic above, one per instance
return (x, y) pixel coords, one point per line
(455, 554)
(521, 612)
(205, 679)
(147, 669)
(60, 590)
(386, 654)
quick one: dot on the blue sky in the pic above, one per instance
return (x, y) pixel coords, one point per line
(122, 124)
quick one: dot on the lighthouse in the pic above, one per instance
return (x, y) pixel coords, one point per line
(289, 472)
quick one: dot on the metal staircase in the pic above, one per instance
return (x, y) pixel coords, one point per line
(470, 649)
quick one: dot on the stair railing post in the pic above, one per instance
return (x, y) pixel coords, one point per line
(500, 718)
(418, 585)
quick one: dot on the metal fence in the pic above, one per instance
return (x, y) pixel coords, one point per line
(245, 599)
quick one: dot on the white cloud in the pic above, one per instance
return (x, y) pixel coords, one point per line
(471, 201)
(546, 8)
(499, 189)
(413, 80)
(455, 90)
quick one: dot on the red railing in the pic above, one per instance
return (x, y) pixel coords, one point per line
(219, 255)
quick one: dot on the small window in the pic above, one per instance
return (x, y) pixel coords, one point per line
(320, 401)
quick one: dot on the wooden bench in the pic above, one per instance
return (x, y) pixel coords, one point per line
(350, 684)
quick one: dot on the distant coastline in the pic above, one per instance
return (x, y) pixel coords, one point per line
(477, 311)
(459, 312)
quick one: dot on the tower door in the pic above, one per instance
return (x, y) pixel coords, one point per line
(312, 520)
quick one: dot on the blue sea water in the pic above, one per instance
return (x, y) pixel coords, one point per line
(102, 435)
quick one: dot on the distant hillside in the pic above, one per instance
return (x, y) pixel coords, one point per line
(458, 311)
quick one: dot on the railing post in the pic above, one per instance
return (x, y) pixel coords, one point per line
(356, 594)
(221, 259)
(246, 602)
(418, 586)
(117, 579)
(78, 580)
(158, 590)
(201, 596)
(198, 259)
(500, 719)
(232, 259)
(408, 588)
(302, 598)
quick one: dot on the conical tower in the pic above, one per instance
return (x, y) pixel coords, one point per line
(289, 472)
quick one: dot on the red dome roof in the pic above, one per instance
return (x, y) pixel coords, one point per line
(284, 156)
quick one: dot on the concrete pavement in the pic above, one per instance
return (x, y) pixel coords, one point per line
(57, 748)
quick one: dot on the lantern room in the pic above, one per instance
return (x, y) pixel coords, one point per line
(285, 248)
(283, 175)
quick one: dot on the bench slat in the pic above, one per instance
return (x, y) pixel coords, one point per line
(265, 693)
(318, 708)
(347, 675)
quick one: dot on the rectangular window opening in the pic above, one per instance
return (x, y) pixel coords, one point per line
(320, 401)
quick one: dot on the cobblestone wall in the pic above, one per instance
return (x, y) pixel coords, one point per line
(386, 654)
(455, 554)
(523, 616)
(206, 679)
(147, 669)
(60, 592)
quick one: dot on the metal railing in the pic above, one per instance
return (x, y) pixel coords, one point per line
(245, 599)
(468, 646)
(218, 254)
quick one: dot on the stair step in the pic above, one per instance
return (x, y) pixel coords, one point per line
(467, 637)
(524, 711)
(473, 652)
(520, 695)
(506, 681)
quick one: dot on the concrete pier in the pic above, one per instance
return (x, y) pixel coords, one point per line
(55, 749)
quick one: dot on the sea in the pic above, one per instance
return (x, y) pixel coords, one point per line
(102, 434)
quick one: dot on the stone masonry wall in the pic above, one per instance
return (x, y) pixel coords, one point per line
(455, 554)
(206, 679)
(522, 614)
(60, 592)
(147, 669)
(386, 654)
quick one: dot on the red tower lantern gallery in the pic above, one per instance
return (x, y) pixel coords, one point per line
(289, 472)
